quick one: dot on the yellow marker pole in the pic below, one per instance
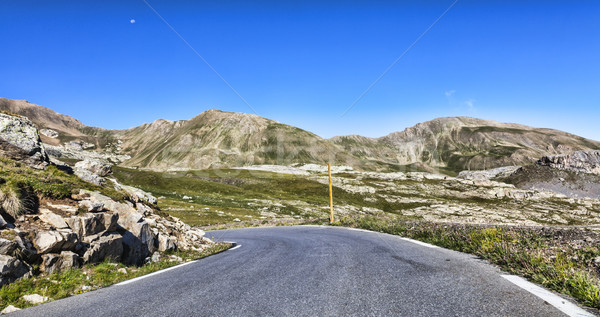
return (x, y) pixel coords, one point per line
(330, 194)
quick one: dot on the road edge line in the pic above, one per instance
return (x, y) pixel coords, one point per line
(135, 279)
(564, 305)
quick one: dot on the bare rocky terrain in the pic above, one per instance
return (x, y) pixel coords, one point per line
(48, 225)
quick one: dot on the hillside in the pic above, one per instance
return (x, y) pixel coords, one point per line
(461, 143)
(226, 139)
(218, 139)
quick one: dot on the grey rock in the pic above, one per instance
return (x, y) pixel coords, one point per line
(49, 133)
(35, 299)
(90, 206)
(155, 257)
(9, 309)
(483, 175)
(59, 262)
(55, 241)
(136, 194)
(12, 269)
(93, 224)
(54, 220)
(166, 242)
(580, 161)
(89, 176)
(7, 247)
(20, 133)
(3, 223)
(95, 167)
(108, 246)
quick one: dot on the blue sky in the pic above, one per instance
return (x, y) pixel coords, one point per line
(304, 63)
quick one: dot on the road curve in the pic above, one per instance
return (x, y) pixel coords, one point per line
(313, 271)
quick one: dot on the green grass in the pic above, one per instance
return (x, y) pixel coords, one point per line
(564, 267)
(72, 282)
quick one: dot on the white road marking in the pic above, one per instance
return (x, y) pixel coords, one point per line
(560, 303)
(420, 243)
(165, 270)
(361, 230)
(155, 273)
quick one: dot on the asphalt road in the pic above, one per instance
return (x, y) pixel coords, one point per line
(313, 271)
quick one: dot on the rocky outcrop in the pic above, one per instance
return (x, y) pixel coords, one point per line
(92, 170)
(12, 269)
(53, 262)
(499, 172)
(59, 238)
(19, 139)
(580, 161)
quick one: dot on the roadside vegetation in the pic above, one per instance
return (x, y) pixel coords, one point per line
(21, 187)
(91, 277)
(566, 260)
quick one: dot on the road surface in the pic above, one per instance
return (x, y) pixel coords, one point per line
(313, 271)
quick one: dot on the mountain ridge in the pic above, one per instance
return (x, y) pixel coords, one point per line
(216, 138)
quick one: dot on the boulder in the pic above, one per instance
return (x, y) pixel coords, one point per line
(166, 242)
(485, 175)
(49, 133)
(89, 176)
(54, 220)
(12, 269)
(9, 309)
(96, 167)
(138, 243)
(59, 262)
(20, 140)
(109, 204)
(55, 241)
(93, 224)
(7, 247)
(108, 246)
(91, 206)
(136, 194)
(35, 299)
(3, 223)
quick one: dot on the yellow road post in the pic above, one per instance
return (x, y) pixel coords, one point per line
(330, 194)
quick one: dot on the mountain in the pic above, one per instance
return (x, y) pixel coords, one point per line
(219, 139)
(68, 128)
(225, 139)
(461, 143)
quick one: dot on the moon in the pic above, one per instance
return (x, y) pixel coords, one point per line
(132, 21)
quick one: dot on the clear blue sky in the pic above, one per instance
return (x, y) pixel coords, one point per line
(305, 62)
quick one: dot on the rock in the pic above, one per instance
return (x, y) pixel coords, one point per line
(109, 204)
(155, 257)
(3, 223)
(136, 194)
(12, 269)
(186, 197)
(19, 139)
(59, 262)
(109, 246)
(93, 224)
(54, 220)
(55, 241)
(35, 299)
(499, 172)
(122, 270)
(96, 167)
(580, 161)
(9, 309)
(89, 176)
(91, 206)
(49, 133)
(7, 247)
(166, 242)
(79, 145)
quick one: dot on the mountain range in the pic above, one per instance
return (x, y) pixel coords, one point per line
(217, 138)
